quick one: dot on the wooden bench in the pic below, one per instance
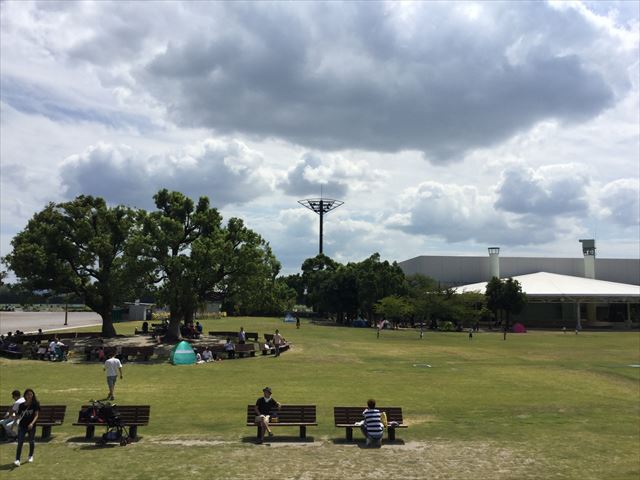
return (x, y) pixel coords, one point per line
(234, 335)
(346, 417)
(244, 348)
(131, 416)
(302, 416)
(49, 416)
(6, 352)
(144, 352)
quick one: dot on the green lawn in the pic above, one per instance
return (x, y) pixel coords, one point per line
(540, 405)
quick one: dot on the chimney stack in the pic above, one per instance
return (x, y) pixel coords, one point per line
(494, 262)
(589, 252)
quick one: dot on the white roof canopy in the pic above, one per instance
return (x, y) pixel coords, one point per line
(564, 288)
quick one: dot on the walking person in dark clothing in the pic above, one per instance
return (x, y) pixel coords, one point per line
(28, 414)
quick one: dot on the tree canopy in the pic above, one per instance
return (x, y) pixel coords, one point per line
(78, 247)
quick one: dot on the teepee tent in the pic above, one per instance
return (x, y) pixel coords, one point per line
(183, 354)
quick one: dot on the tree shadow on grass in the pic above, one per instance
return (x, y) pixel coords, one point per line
(278, 439)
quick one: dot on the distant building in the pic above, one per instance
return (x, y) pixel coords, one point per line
(562, 291)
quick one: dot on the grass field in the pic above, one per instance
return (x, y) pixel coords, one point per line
(540, 405)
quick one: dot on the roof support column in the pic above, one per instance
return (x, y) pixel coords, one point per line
(578, 324)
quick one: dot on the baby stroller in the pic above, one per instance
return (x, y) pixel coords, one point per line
(107, 413)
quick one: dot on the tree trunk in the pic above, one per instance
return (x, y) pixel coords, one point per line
(108, 330)
(173, 330)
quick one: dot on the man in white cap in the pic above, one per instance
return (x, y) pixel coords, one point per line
(264, 408)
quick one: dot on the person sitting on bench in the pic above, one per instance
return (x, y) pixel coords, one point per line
(372, 427)
(265, 407)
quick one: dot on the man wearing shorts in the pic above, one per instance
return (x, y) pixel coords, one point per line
(264, 407)
(112, 366)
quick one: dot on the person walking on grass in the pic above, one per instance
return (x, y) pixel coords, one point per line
(112, 366)
(264, 409)
(28, 414)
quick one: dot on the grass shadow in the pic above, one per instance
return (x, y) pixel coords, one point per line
(95, 446)
(81, 440)
(278, 439)
(362, 443)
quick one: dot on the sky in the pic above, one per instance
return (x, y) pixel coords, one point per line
(444, 127)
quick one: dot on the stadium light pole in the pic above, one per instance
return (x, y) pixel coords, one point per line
(320, 206)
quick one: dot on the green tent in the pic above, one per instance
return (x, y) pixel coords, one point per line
(183, 354)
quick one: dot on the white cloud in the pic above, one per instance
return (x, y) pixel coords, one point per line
(528, 114)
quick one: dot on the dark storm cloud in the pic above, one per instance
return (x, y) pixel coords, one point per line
(225, 172)
(441, 79)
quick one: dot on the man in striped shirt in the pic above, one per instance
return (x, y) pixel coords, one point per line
(372, 427)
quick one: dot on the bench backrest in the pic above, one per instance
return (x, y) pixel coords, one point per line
(141, 350)
(48, 413)
(289, 414)
(129, 414)
(351, 415)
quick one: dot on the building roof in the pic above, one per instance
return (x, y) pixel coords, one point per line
(544, 286)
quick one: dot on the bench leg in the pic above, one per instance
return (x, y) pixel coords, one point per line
(133, 431)
(91, 429)
(46, 431)
(349, 434)
(392, 434)
(303, 431)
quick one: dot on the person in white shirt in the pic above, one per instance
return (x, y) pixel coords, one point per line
(112, 366)
(207, 356)
(9, 421)
(278, 342)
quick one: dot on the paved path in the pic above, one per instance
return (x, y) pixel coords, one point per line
(32, 321)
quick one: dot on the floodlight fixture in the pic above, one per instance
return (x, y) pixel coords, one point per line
(321, 206)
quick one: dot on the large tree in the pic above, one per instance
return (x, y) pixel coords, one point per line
(78, 247)
(196, 260)
(166, 243)
(377, 280)
(507, 297)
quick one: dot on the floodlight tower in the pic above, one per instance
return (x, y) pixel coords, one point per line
(320, 206)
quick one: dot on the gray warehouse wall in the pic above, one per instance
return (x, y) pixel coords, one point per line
(455, 271)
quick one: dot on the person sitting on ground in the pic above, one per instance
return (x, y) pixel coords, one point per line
(264, 409)
(207, 356)
(199, 358)
(372, 427)
(145, 327)
(52, 349)
(230, 348)
(9, 422)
